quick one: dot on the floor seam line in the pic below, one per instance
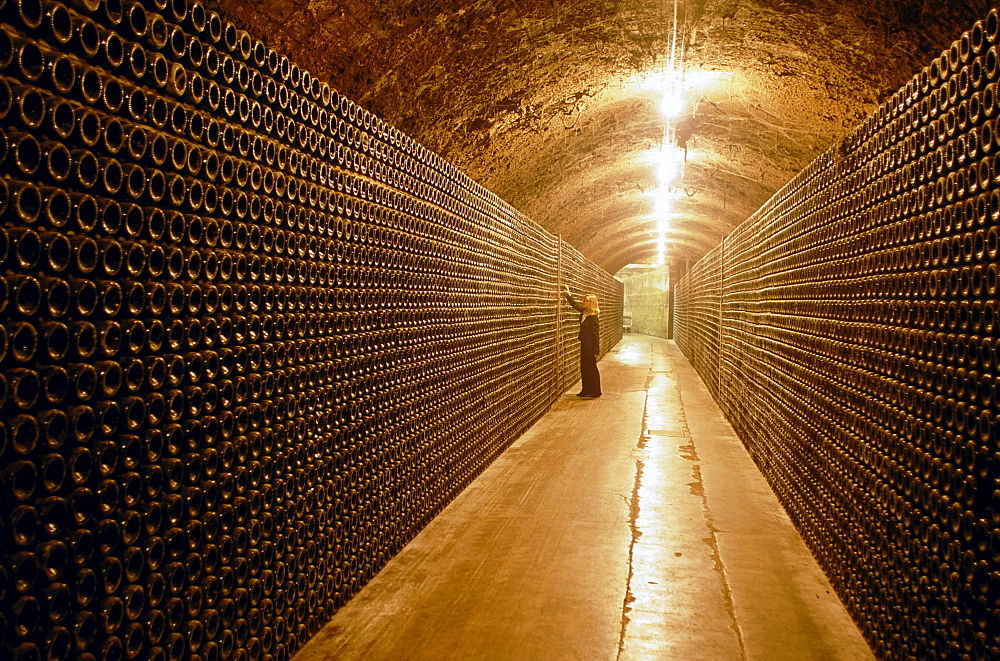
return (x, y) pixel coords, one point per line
(713, 540)
(720, 567)
(634, 531)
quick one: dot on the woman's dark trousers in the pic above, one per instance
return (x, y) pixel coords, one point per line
(589, 375)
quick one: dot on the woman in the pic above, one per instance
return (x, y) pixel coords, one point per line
(590, 343)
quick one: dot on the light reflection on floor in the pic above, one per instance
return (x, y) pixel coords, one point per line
(671, 557)
(632, 354)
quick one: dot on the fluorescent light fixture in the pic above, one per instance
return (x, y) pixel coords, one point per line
(672, 104)
(663, 205)
(672, 86)
(667, 161)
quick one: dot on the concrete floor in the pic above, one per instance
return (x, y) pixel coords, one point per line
(634, 526)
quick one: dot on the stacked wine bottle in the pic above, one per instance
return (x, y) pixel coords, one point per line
(252, 337)
(859, 310)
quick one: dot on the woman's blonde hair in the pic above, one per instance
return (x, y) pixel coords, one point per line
(594, 310)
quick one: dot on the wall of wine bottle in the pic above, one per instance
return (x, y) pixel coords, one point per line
(251, 337)
(849, 332)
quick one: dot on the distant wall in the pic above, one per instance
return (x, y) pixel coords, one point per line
(648, 300)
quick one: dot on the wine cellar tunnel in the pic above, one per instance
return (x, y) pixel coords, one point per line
(280, 280)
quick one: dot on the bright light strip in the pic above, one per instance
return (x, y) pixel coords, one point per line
(670, 84)
(664, 80)
(668, 162)
(666, 172)
(663, 206)
(671, 104)
(668, 169)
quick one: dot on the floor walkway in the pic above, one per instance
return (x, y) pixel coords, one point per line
(634, 526)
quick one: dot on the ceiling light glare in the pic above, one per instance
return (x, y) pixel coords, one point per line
(672, 104)
(668, 166)
(701, 79)
(666, 172)
(652, 81)
(663, 203)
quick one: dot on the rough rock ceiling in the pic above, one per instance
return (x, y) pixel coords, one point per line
(539, 101)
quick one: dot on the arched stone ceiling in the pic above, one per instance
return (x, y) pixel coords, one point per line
(542, 103)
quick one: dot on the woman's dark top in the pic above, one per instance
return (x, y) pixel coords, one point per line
(590, 329)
